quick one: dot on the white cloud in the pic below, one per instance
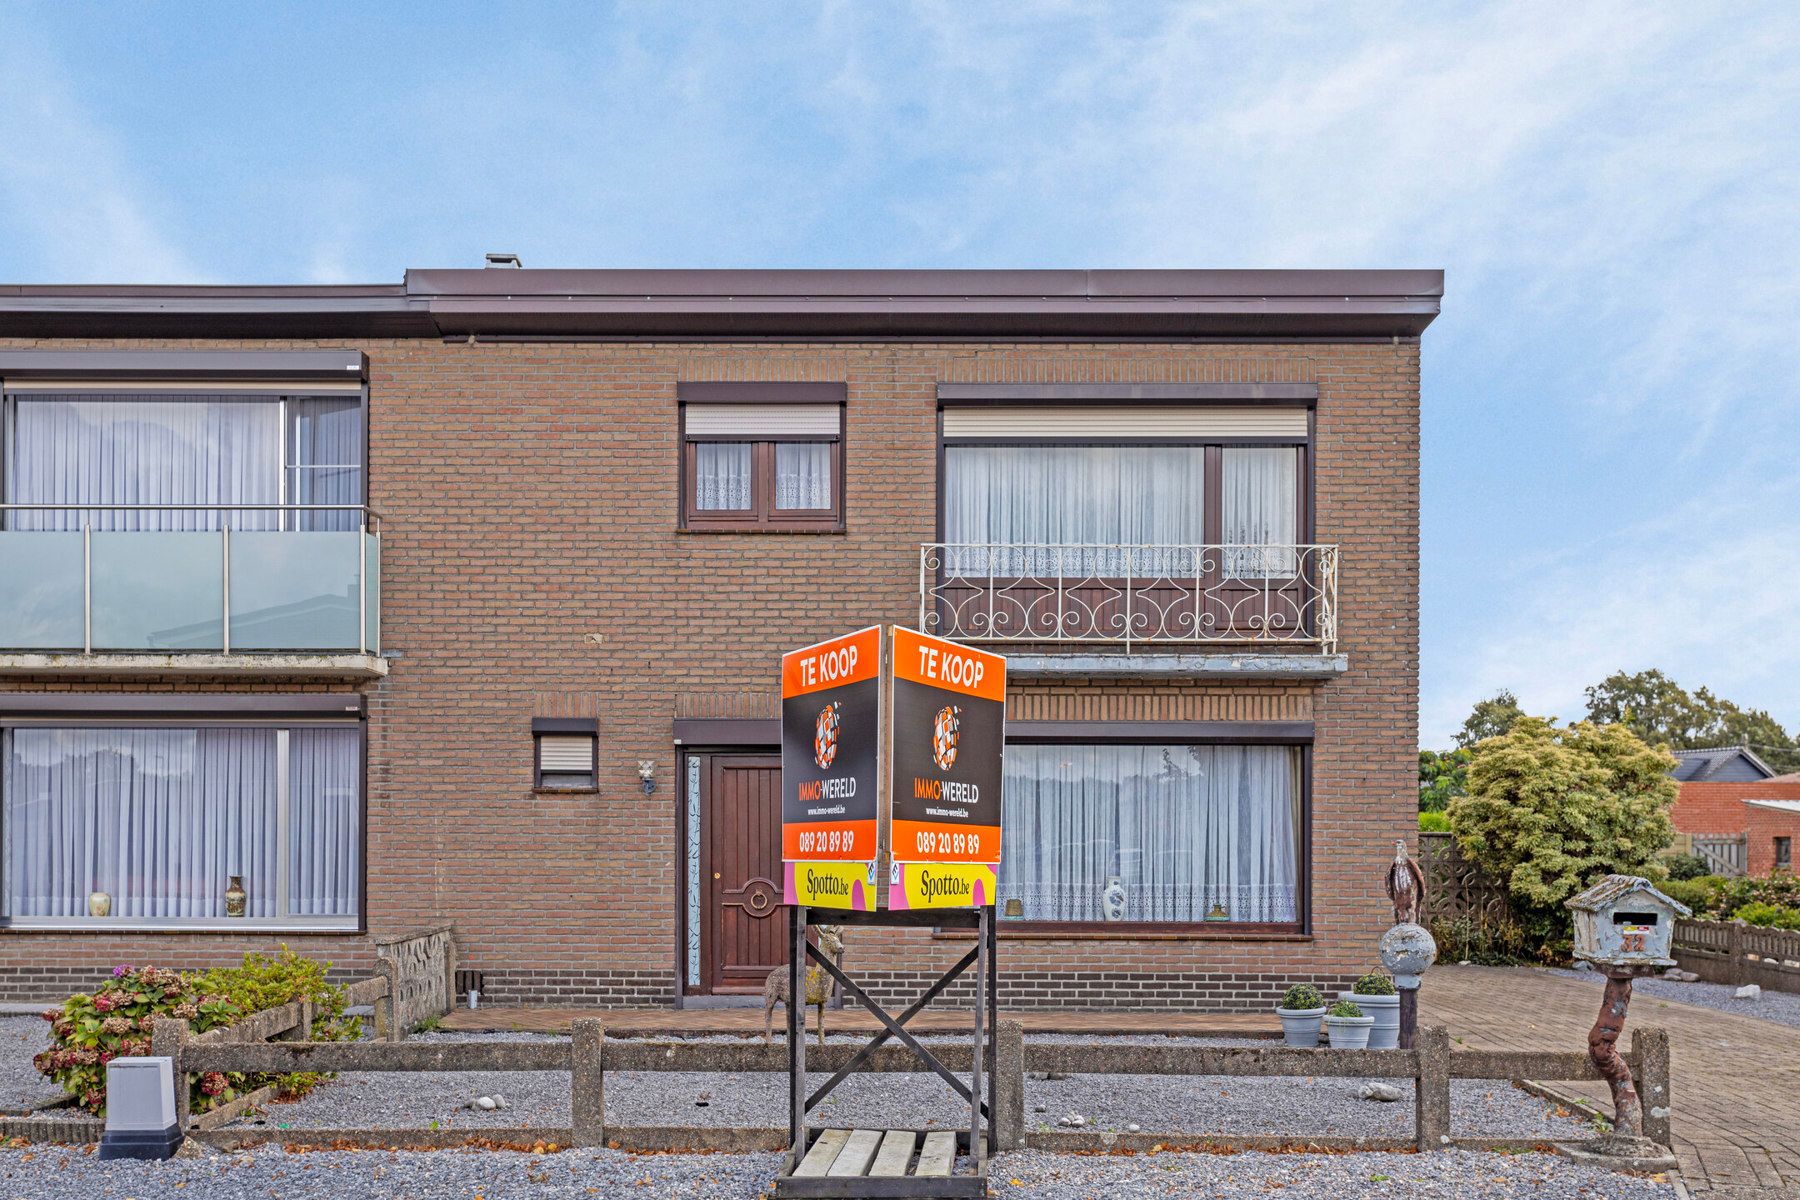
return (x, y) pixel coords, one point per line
(76, 211)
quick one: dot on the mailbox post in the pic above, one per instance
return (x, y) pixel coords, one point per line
(1625, 927)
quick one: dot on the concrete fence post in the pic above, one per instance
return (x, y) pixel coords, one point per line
(168, 1036)
(1650, 1044)
(387, 1009)
(1009, 1086)
(587, 1082)
(1431, 1090)
(1737, 967)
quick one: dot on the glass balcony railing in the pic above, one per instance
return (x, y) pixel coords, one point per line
(301, 579)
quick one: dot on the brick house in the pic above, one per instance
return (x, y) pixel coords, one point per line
(1735, 811)
(462, 600)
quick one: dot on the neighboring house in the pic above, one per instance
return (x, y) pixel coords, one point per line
(462, 599)
(1735, 811)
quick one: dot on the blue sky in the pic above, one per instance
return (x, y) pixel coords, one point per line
(1611, 424)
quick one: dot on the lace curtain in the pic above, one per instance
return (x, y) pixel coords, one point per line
(1151, 833)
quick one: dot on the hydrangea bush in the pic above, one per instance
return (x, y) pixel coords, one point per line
(89, 1031)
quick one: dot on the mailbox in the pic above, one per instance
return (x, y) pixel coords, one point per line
(1623, 921)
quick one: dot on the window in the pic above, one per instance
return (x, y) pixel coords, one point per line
(1784, 854)
(762, 466)
(1152, 834)
(179, 461)
(566, 751)
(149, 825)
(1013, 510)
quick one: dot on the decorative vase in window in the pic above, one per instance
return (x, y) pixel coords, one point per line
(1112, 903)
(235, 897)
(1218, 912)
(99, 904)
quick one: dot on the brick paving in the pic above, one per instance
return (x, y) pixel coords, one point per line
(1735, 1079)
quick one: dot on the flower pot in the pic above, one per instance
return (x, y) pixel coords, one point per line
(1300, 1026)
(1386, 1011)
(1349, 1033)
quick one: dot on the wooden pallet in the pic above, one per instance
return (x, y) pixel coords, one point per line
(872, 1163)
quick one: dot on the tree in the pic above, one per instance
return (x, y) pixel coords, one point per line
(1489, 718)
(1443, 775)
(1550, 810)
(1661, 711)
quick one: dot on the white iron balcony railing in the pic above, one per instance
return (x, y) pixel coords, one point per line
(1224, 594)
(190, 578)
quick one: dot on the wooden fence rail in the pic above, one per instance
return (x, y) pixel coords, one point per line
(1736, 953)
(588, 1056)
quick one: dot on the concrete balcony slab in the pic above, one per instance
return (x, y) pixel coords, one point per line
(261, 666)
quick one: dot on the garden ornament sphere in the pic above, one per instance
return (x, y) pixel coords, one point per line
(1406, 951)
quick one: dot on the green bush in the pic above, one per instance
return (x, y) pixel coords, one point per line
(1685, 866)
(1375, 984)
(1433, 822)
(1550, 810)
(1715, 898)
(89, 1031)
(1302, 997)
(1768, 916)
(1696, 893)
(1497, 944)
(1345, 1008)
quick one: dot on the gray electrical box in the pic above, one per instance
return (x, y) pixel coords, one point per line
(1623, 921)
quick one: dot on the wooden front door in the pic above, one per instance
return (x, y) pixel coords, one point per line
(745, 926)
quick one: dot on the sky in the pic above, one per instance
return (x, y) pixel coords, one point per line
(1610, 418)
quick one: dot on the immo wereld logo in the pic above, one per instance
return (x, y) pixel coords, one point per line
(825, 736)
(944, 734)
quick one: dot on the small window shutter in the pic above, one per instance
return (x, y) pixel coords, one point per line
(763, 420)
(566, 754)
(1173, 422)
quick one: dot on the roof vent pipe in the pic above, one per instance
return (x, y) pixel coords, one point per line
(504, 260)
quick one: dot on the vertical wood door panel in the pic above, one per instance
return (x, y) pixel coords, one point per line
(741, 830)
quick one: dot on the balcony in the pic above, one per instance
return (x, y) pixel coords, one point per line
(1240, 597)
(271, 589)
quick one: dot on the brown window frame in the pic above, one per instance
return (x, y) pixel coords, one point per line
(586, 727)
(762, 516)
(1783, 862)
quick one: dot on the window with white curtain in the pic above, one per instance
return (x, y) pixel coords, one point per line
(154, 822)
(1097, 511)
(762, 466)
(1157, 834)
(145, 449)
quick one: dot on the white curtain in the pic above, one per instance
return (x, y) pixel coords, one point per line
(721, 476)
(1259, 510)
(803, 475)
(1076, 505)
(325, 452)
(160, 819)
(144, 449)
(1151, 833)
(323, 801)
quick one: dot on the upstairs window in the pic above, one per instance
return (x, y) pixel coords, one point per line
(175, 461)
(752, 467)
(567, 750)
(1095, 492)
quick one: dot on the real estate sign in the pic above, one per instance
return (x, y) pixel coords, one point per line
(830, 754)
(891, 750)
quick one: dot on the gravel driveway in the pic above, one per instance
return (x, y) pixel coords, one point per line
(1157, 1103)
(1783, 1008)
(66, 1174)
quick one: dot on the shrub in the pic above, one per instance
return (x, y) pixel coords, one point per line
(1302, 997)
(1698, 894)
(1550, 810)
(1496, 944)
(89, 1031)
(1345, 1008)
(1433, 822)
(1768, 916)
(1375, 984)
(1685, 866)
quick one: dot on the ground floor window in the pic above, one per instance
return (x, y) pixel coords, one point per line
(1152, 833)
(150, 825)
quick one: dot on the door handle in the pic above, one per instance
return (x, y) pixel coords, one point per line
(715, 874)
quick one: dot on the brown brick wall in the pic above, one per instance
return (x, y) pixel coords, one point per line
(529, 493)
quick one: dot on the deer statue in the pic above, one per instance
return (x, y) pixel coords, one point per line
(818, 985)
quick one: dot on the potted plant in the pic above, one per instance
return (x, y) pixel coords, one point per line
(1300, 1009)
(1377, 996)
(1348, 1027)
